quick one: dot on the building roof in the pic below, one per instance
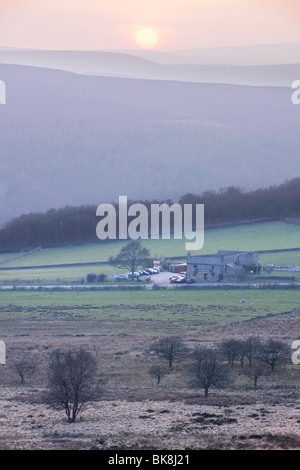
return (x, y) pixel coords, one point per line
(233, 252)
(208, 260)
(230, 256)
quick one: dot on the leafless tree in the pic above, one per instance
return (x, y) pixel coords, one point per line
(254, 372)
(25, 367)
(242, 352)
(169, 348)
(207, 369)
(158, 372)
(230, 349)
(131, 257)
(274, 352)
(251, 347)
(72, 382)
(96, 348)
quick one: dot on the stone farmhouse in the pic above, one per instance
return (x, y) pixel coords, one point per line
(224, 266)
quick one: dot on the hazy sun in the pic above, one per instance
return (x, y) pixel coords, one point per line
(146, 38)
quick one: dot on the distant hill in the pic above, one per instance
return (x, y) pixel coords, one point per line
(74, 139)
(251, 55)
(255, 66)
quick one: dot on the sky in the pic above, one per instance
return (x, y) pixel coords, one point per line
(178, 24)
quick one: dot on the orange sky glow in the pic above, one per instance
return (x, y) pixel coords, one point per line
(178, 24)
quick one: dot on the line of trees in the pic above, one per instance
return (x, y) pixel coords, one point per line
(71, 225)
(211, 367)
(73, 379)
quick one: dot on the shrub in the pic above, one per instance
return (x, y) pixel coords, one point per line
(91, 277)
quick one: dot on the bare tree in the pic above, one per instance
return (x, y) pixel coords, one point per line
(72, 382)
(242, 352)
(25, 367)
(169, 348)
(254, 372)
(206, 369)
(230, 349)
(251, 346)
(158, 372)
(131, 257)
(274, 352)
(96, 349)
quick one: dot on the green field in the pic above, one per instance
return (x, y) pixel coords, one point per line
(263, 236)
(138, 312)
(291, 258)
(55, 274)
(4, 256)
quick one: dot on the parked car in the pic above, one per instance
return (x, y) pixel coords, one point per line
(143, 273)
(120, 277)
(150, 270)
(136, 274)
(178, 275)
(174, 279)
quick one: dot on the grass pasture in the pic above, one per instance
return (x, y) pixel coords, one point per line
(137, 312)
(250, 237)
(291, 258)
(259, 236)
(57, 275)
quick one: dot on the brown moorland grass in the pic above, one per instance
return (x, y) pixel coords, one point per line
(133, 412)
